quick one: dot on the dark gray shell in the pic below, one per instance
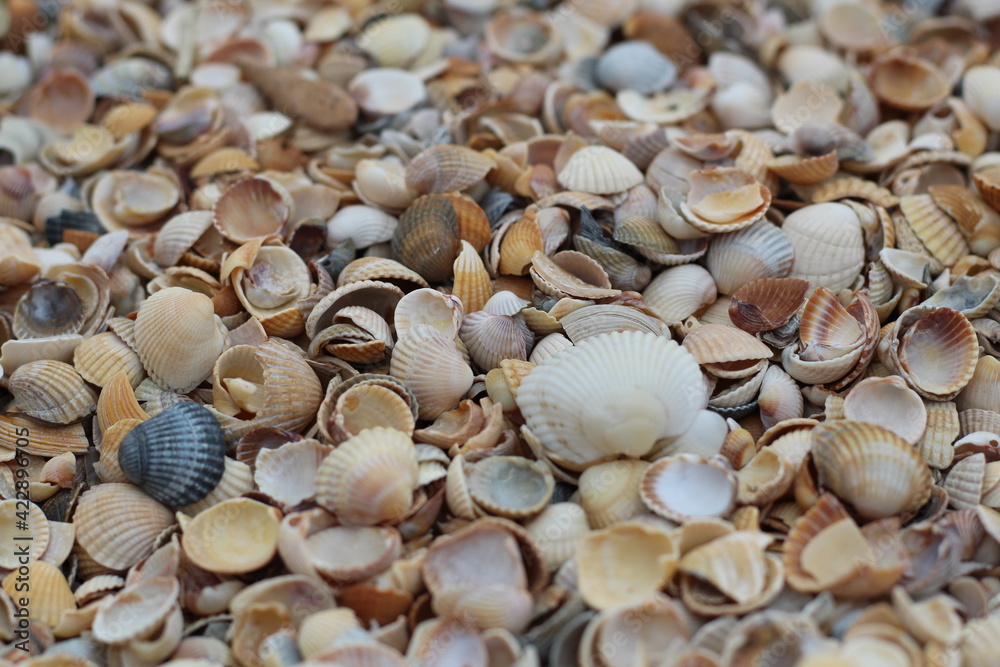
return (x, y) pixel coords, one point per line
(177, 457)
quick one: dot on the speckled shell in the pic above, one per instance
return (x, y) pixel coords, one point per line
(177, 457)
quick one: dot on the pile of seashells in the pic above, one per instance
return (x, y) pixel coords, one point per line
(472, 333)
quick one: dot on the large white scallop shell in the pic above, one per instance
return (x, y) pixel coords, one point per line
(829, 247)
(615, 393)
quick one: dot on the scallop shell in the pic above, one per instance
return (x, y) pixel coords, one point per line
(522, 37)
(935, 229)
(762, 250)
(735, 567)
(472, 285)
(599, 170)
(510, 487)
(557, 531)
(47, 309)
(870, 468)
(177, 456)
(51, 391)
(909, 268)
(49, 597)
(387, 91)
(943, 427)
(34, 530)
(234, 537)
(178, 338)
(365, 225)
(979, 84)
(369, 478)
(624, 564)
(430, 307)
(828, 244)
(668, 488)
(610, 400)
(361, 407)
(570, 274)
(446, 168)
(889, 403)
(118, 524)
(438, 380)
(981, 391)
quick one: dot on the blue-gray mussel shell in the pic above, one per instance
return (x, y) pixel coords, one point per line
(177, 457)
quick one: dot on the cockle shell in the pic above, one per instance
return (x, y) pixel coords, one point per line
(252, 208)
(118, 524)
(680, 291)
(233, 537)
(887, 402)
(599, 170)
(610, 399)
(723, 199)
(288, 473)
(828, 244)
(438, 380)
(178, 338)
(427, 237)
(370, 478)
(445, 168)
(52, 391)
(365, 225)
(270, 282)
(649, 557)
(726, 351)
(177, 456)
(761, 250)
(870, 468)
(667, 488)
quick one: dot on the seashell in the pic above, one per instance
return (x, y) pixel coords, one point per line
(472, 285)
(430, 307)
(598, 319)
(726, 351)
(980, 392)
(915, 348)
(735, 567)
(382, 183)
(37, 531)
(935, 229)
(152, 453)
(609, 492)
(821, 101)
(828, 244)
(679, 292)
(364, 225)
(118, 524)
(370, 478)
(288, 474)
(237, 480)
(624, 564)
(889, 403)
(427, 238)
(49, 598)
(18, 261)
(905, 81)
(445, 168)
(723, 199)
(809, 63)
(47, 309)
(522, 37)
(666, 488)
(234, 537)
(438, 380)
(570, 274)
(386, 91)
(870, 468)
(320, 104)
(51, 391)
(805, 171)
(270, 282)
(758, 251)
(511, 487)
(627, 411)
(815, 553)
(819, 138)
(252, 208)
(178, 235)
(178, 337)
(599, 170)
(964, 482)
(492, 338)
(635, 65)
(364, 406)
(269, 385)
(977, 85)
(767, 303)
(851, 27)
(909, 268)
(942, 429)
(557, 531)
(517, 246)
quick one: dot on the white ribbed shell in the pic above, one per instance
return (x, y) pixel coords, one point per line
(615, 393)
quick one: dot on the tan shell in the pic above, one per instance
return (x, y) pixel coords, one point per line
(233, 537)
(48, 599)
(511, 487)
(446, 168)
(828, 244)
(178, 338)
(270, 282)
(903, 80)
(569, 273)
(438, 379)
(117, 524)
(100, 357)
(252, 208)
(759, 251)
(288, 473)
(624, 564)
(870, 468)
(370, 478)
(52, 391)
(726, 351)
(724, 199)
(887, 402)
